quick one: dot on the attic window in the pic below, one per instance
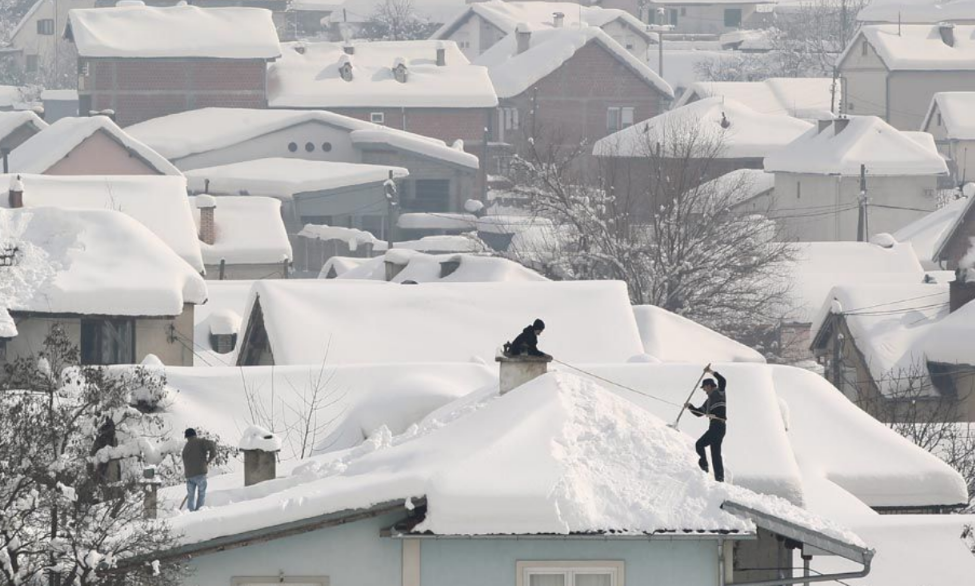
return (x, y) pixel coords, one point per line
(940, 121)
(377, 118)
(45, 26)
(293, 147)
(8, 255)
(863, 48)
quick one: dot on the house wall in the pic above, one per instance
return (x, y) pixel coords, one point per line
(140, 89)
(239, 272)
(152, 336)
(446, 124)
(801, 213)
(960, 242)
(475, 36)
(463, 181)
(18, 137)
(911, 93)
(49, 49)
(704, 18)
(959, 154)
(629, 39)
(864, 81)
(100, 154)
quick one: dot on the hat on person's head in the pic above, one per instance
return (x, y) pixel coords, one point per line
(538, 325)
(190, 432)
(708, 382)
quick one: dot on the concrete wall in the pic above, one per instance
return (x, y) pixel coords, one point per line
(911, 93)
(960, 154)
(864, 81)
(446, 124)
(239, 272)
(703, 18)
(629, 39)
(152, 336)
(100, 154)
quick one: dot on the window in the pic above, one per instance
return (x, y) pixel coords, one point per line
(309, 147)
(326, 147)
(849, 107)
(863, 48)
(377, 118)
(940, 121)
(45, 26)
(510, 118)
(732, 17)
(107, 341)
(683, 11)
(798, 189)
(618, 118)
(575, 573)
(673, 16)
(293, 147)
(430, 195)
(30, 63)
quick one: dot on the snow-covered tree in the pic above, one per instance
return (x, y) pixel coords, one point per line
(71, 499)
(396, 20)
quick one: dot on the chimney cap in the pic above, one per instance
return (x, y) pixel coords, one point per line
(257, 438)
(16, 184)
(523, 27)
(204, 201)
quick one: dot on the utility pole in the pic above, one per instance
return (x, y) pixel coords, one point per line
(660, 28)
(863, 220)
(392, 201)
(832, 94)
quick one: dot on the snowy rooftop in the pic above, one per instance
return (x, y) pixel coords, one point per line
(514, 73)
(11, 121)
(919, 47)
(538, 15)
(198, 131)
(284, 177)
(669, 337)
(847, 143)
(928, 234)
(748, 134)
(917, 11)
(103, 262)
(157, 202)
(426, 268)
(249, 230)
(43, 150)
(810, 97)
(174, 31)
(957, 110)
(370, 322)
(742, 184)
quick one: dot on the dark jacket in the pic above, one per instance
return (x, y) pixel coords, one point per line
(526, 344)
(197, 455)
(715, 405)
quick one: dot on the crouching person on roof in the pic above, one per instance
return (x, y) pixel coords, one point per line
(526, 344)
(714, 408)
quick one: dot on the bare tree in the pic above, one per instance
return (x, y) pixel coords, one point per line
(396, 20)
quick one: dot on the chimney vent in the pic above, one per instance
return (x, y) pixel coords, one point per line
(518, 370)
(349, 48)
(840, 124)
(207, 204)
(947, 32)
(345, 68)
(962, 290)
(16, 197)
(523, 37)
(260, 448)
(400, 71)
(559, 19)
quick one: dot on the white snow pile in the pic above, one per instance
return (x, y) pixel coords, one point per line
(11, 121)
(286, 177)
(847, 143)
(442, 244)
(420, 267)
(353, 237)
(957, 110)
(369, 322)
(157, 202)
(803, 97)
(92, 262)
(918, 47)
(917, 11)
(436, 221)
(513, 73)
(249, 230)
(308, 75)
(740, 131)
(224, 322)
(928, 234)
(46, 148)
(224, 300)
(256, 437)
(141, 31)
(669, 337)
(559, 455)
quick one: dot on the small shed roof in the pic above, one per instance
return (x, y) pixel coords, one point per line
(249, 230)
(11, 121)
(957, 111)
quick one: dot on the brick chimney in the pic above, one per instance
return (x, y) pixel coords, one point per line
(207, 204)
(961, 290)
(558, 19)
(16, 197)
(947, 32)
(518, 370)
(260, 448)
(441, 54)
(523, 37)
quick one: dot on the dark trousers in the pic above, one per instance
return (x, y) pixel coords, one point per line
(712, 437)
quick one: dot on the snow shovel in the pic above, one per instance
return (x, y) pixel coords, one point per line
(684, 406)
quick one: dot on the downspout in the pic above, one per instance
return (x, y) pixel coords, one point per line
(721, 561)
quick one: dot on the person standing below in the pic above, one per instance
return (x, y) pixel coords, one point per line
(197, 455)
(714, 408)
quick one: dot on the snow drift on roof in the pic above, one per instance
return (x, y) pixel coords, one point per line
(43, 150)
(366, 322)
(11, 121)
(864, 140)
(810, 97)
(427, 268)
(507, 15)
(919, 47)
(283, 177)
(157, 202)
(249, 230)
(749, 135)
(174, 31)
(674, 338)
(514, 73)
(928, 234)
(917, 11)
(308, 76)
(92, 262)
(957, 111)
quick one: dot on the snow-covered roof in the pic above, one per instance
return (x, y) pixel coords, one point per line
(101, 262)
(740, 185)
(174, 31)
(957, 111)
(224, 298)
(43, 150)
(420, 267)
(369, 322)
(847, 143)
(198, 131)
(918, 47)
(929, 234)
(748, 134)
(309, 76)
(11, 121)
(585, 461)
(917, 11)
(10, 95)
(669, 337)
(514, 73)
(249, 230)
(809, 97)
(157, 202)
(284, 177)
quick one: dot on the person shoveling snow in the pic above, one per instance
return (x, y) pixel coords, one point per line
(714, 408)
(526, 344)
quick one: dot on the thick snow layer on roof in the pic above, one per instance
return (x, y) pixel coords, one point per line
(808, 97)
(529, 462)
(10, 95)
(741, 185)
(957, 111)
(41, 151)
(919, 47)
(224, 298)
(11, 121)
(817, 267)
(414, 143)
(365, 322)
(748, 134)
(157, 202)
(249, 230)
(103, 262)
(917, 11)
(950, 340)
(442, 244)
(927, 234)
(673, 338)
(224, 322)
(513, 73)
(309, 76)
(864, 140)
(427, 268)
(284, 177)
(174, 31)
(538, 15)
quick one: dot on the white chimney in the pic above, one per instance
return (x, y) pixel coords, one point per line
(400, 71)
(559, 19)
(345, 67)
(207, 204)
(523, 37)
(441, 54)
(518, 370)
(260, 448)
(16, 196)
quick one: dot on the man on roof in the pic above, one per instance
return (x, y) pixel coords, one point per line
(526, 344)
(714, 408)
